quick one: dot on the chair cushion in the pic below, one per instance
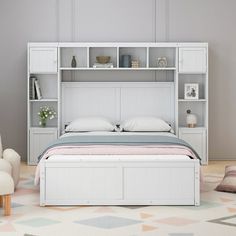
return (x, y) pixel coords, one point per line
(5, 166)
(14, 159)
(228, 184)
(6, 183)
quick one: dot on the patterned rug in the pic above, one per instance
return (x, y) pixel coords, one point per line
(216, 216)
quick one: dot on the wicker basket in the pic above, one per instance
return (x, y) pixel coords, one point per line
(103, 59)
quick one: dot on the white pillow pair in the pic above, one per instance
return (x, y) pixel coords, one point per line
(137, 124)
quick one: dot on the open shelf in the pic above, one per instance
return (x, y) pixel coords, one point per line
(80, 54)
(102, 51)
(156, 52)
(48, 86)
(195, 79)
(136, 53)
(35, 107)
(197, 108)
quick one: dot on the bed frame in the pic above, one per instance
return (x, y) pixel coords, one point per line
(115, 180)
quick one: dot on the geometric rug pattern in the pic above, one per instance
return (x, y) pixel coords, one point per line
(215, 216)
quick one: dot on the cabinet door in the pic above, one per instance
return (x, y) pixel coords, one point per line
(192, 60)
(197, 139)
(39, 139)
(43, 60)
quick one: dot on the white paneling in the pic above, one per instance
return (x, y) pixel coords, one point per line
(148, 100)
(161, 20)
(92, 183)
(118, 181)
(196, 137)
(43, 60)
(65, 20)
(174, 186)
(117, 101)
(39, 139)
(192, 60)
(89, 99)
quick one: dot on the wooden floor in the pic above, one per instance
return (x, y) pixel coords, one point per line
(217, 167)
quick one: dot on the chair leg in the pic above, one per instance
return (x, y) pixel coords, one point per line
(1, 201)
(7, 205)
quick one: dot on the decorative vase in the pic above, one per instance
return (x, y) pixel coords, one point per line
(126, 61)
(191, 119)
(43, 122)
(73, 62)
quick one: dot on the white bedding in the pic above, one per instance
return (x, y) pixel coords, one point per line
(71, 158)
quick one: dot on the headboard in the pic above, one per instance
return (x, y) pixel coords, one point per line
(117, 100)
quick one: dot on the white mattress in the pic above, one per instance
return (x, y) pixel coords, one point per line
(71, 158)
(116, 133)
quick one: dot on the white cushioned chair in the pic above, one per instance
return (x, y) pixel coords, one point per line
(9, 176)
(10, 163)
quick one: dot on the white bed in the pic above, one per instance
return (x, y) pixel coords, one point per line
(116, 179)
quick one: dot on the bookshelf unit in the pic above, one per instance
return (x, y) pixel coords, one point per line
(42, 65)
(50, 63)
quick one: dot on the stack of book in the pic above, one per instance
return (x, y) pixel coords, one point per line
(135, 64)
(35, 90)
(99, 65)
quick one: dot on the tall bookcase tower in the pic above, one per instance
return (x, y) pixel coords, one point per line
(50, 63)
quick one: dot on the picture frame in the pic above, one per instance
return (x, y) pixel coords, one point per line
(191, 91)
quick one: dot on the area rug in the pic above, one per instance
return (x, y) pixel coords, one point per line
(216, 216)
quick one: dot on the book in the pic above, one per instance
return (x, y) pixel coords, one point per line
(99, 65)
(38, 89)
(32, 88)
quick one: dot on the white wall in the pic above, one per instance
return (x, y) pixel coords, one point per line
(123, 20)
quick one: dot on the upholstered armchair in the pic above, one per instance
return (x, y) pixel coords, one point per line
(9, 176)
(10, 163)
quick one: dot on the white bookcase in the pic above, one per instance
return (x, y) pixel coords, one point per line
(193, 68)
(51, 64)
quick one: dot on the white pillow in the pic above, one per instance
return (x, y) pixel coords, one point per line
(90, 124)
(143, 124)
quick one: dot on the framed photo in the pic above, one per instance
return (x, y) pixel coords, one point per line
(191, 91)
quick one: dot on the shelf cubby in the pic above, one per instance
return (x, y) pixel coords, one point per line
(156, 52)
(102, 51)
(198, 108)
(199, 79)
(80, 54)
(48, 85)
(35, 108)
(136, 53)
